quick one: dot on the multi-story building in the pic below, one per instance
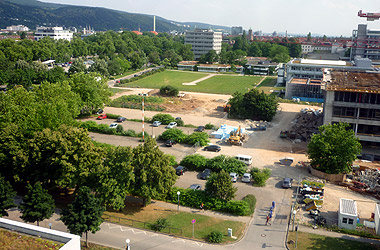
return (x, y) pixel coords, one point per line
(354, 97)
(237, 31)
(55, 33)
(303, 77)
(250, 35)
(203, 40)
(366, 43)
(16, 28)
(261, 65)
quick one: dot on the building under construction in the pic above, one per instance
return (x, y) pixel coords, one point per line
(354, 97)
(366, 43)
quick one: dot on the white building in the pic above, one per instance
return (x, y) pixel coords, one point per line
(348, 214)
(16, 28)
(203, 40)
(55, 33)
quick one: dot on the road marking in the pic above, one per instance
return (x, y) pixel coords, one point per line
(198, 244)
(180, 240)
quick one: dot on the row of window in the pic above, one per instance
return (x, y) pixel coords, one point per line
(370, 98)
(347, 221)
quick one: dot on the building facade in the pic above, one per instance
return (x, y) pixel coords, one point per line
(16, 28)
(366, 43)
(237, 31)
(203, 40)
(354, 97)
(55, 33)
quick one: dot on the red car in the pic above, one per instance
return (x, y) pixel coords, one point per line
(102, 116)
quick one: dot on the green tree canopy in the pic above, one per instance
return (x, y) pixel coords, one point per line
(226, 163)
(6, 196)
(220, 185)
(334, 149)
(37, 204)
(174, 134)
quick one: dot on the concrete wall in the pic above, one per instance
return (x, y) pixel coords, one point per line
(72, 242)
(328, 107)
(328, 177)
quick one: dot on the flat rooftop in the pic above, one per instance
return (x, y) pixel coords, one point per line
(305, 81)
(351, 81)
(321, 62)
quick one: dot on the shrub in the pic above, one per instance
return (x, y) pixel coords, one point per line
(226, 163)
(112, 116)
(160, 224)
(196, 137)
(163, 118)
(89, 125)
(260, 176)
(174, 134)
(194, 162)
(215, 237)
(173, 162)
(146, 135)
(238, 208)
(209, 126)
(180, 123)
(129, 132)
(251, 201)
(169, 90)
(119, 129)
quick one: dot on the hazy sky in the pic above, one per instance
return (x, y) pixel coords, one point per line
(330, 17)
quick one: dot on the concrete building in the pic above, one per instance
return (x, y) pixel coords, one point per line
(261, 65)
(366, 43)
(203, 40)
(347, 214)
(303, 77)
(354, 97)
(237, 31)
(55, 33)
(250, 35)
(214, 68)
(16, 28)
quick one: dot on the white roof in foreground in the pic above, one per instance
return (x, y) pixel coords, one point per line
(323, 62)
(348, 207)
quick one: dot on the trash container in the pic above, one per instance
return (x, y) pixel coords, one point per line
(229, 232)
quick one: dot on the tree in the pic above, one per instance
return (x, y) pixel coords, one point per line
(37, 204)
(99, 66)
(194, 162)
(163, 118)
(309, 37)
(198, 137)
(154, 177)
(226, 163)
(219, 185)
(169, 90)
(6, 196)
(77, 66)
(174, 134)
(84, 214)
(334, 149)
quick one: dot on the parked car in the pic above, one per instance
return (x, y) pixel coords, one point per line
(99, 112)
(200, 129)
(121, 119)
(287, 182)
(196, 187)
(143, 94)
(180, 170)
(156, 123)
(214, 148)
(234, 177)
(178, 118)
(113, 125)
(170, 143)
(171, 125)
(246, 178)
(181, 94)
(102, 116)
(205, 174)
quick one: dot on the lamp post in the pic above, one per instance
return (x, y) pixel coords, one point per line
(178, 193)
(128, 247)
(294, 217)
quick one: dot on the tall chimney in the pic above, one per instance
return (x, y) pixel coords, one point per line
(154, 23)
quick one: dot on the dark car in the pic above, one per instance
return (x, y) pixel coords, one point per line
(287, 182)
(180, 170)
(196, 187)
(214, 148)
(200, 129)
(178, 118)
(205, 174)
(169, 143)
(121, 119)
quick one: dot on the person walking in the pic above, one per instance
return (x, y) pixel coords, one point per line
(268, 221)
(201, 206)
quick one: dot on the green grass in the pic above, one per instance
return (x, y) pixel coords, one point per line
(308, 241)
(13, 240)
(268, 82)
(219, 84)
(116, 90)
(129, 72)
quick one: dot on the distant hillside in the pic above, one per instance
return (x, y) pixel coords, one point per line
(33, 13)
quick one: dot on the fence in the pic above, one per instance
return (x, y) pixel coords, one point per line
(140, 224)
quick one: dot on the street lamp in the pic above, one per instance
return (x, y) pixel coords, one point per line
(178, 193)
(294, 217)
(127, 247)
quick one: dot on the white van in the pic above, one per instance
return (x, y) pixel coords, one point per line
(247, 159)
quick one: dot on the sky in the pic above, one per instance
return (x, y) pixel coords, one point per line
(323, 17)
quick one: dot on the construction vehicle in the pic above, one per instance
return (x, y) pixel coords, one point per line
(369, 16)
(236, 137)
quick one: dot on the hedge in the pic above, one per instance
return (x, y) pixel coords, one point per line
(260, 176)
(105, 129)
(251, 200)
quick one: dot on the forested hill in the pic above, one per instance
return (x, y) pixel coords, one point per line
(33, 13)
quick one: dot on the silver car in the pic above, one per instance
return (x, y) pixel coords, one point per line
(246, 178)
(171, 125)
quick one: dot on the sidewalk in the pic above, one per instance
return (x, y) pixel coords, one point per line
(310, 230)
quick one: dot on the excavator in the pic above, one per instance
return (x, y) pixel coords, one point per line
(236, 138)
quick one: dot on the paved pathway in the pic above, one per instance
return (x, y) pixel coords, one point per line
(199, 80)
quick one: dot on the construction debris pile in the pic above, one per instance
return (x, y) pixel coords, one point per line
(305, 125)
(257, 125)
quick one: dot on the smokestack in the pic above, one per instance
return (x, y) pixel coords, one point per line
(154, 23)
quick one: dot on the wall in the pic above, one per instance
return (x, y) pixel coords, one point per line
(377, 219)
(328, 177)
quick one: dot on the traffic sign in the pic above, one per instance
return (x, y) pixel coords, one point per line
(193, 221)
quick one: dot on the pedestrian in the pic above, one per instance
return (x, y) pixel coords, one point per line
(201, 206)
(268, 221)
(273, 204)
(270, 214)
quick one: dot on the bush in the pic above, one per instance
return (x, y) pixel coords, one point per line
(226, 163)
(238, 208)
(160, 224)
(112, 116)
(215, 237)
(173, 162)
(251, 201)
(119, 129)
(194, 162)
(129, 132)
(163, 118)
(180, 123)
(260, 176)
(196, 137)
(89, 125)
(209, 126)
(169, 90)
(174, 134)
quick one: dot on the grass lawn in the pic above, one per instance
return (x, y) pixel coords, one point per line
(116, 90)
(219, 84)
(129, 72)
(204, 224)
(308, 241)
(267, 85)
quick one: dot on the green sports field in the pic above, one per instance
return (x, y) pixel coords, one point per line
(219, 84)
